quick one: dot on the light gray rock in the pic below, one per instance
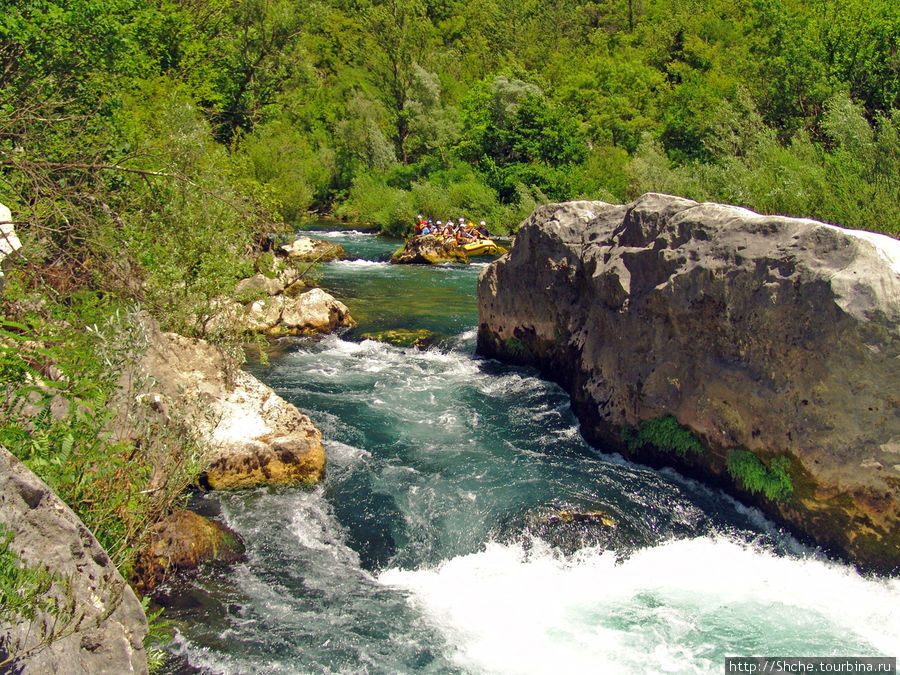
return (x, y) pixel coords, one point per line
(9, 241)
(309, 313)
(314, 311)
(779, 335)
(313, 250)
(259, 284)
(105, 631)
(250, 435)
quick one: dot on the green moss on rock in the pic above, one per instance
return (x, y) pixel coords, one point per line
(773, 480)
(663, 433)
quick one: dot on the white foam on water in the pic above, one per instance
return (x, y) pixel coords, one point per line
(342, 233)
(359, 263)
(678, 607)
(342, 454)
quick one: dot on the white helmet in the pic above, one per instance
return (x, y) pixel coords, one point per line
(483, 223)
(438, 222)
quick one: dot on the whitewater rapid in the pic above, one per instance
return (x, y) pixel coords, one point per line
(429, 547)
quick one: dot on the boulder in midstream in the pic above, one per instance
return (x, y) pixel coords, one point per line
(774, 340)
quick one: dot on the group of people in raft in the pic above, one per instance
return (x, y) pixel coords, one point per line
(463, 231)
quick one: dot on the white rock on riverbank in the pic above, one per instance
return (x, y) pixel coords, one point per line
(9, 241)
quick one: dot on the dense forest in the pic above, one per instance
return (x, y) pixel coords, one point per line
(374, 111)
(148, 148)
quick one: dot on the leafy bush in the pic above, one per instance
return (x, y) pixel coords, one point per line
(663, 433)
(61, 400)
(372, 200)
(297, 174)
(774, 480)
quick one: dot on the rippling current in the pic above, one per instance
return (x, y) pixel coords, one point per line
(465, 527)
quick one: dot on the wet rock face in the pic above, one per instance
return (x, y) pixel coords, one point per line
(429, 250)
(102, 626)
(181, 543)
(776, 335)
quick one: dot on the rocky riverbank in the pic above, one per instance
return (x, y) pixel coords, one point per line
(88, 619)
(775, 341)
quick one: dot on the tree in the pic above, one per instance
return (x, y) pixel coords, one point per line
(400, 35)
(258, 59)
(514, 134)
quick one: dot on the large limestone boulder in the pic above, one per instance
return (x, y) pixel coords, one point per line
(310, 313)
(259, 285)
(102, 626)
(314, 311)
(313, 250)
(9, 242)
(429, 250)
(251, 435)
(776, 335)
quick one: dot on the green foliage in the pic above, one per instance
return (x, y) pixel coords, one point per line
(516, 135)
(851, 181)
(22, 589)
(159, 633)
(58, 415)
(664, 434)
(773, 480)
(514, 347)
(372, 200)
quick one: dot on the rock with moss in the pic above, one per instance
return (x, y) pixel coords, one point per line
(569, 529)
(404, 337)
(83, 618)
(780, 336)
(181, 543)
(429, 250)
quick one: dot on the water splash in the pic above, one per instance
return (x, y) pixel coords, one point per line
(681, 606)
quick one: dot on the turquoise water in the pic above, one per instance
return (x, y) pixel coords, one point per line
(436, 543)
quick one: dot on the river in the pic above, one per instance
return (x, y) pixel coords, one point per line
(465, 527)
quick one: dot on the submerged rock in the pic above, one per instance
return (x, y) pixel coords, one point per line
(569, 530)
(404, 337)
(774, 340)
(428, 250)
(98, 625)
(182, 542)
